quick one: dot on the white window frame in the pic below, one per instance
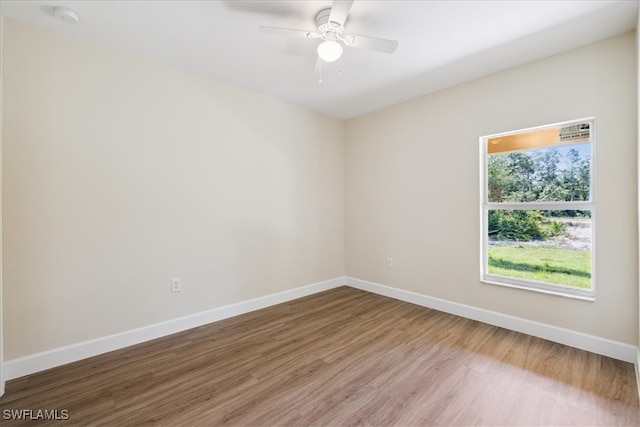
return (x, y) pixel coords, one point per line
(486, 206)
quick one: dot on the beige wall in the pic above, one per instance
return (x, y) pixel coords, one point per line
(121, 173)
(412, 188)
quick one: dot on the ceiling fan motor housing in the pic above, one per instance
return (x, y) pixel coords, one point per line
(330, 30)
(325, 26)
(322, 17)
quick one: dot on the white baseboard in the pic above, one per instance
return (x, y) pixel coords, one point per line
(613, 349)
(60, 356)
(49, 359)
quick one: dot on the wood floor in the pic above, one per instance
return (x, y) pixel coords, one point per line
(342, 357)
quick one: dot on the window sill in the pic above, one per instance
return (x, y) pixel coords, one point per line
(572, 293)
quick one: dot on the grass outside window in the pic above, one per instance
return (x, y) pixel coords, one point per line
(568, 267)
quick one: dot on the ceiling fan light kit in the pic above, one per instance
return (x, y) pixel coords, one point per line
(329, 50)
(330, 27)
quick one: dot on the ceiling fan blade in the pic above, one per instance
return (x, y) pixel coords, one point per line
(277, 31)
(340, 10)
(373, 43)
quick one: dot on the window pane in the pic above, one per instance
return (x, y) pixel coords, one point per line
(549, 174)
(545, 246)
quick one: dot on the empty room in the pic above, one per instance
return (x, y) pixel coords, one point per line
(257, 213)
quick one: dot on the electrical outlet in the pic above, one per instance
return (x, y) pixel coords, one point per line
(176, 285)
(389, 262)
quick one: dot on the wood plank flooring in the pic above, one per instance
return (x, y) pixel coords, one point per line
(342, 357)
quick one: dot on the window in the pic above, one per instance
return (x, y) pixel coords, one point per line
(538, 209)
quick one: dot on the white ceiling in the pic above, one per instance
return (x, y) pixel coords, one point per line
(441, 43)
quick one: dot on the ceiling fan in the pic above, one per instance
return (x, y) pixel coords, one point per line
(330, 27)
